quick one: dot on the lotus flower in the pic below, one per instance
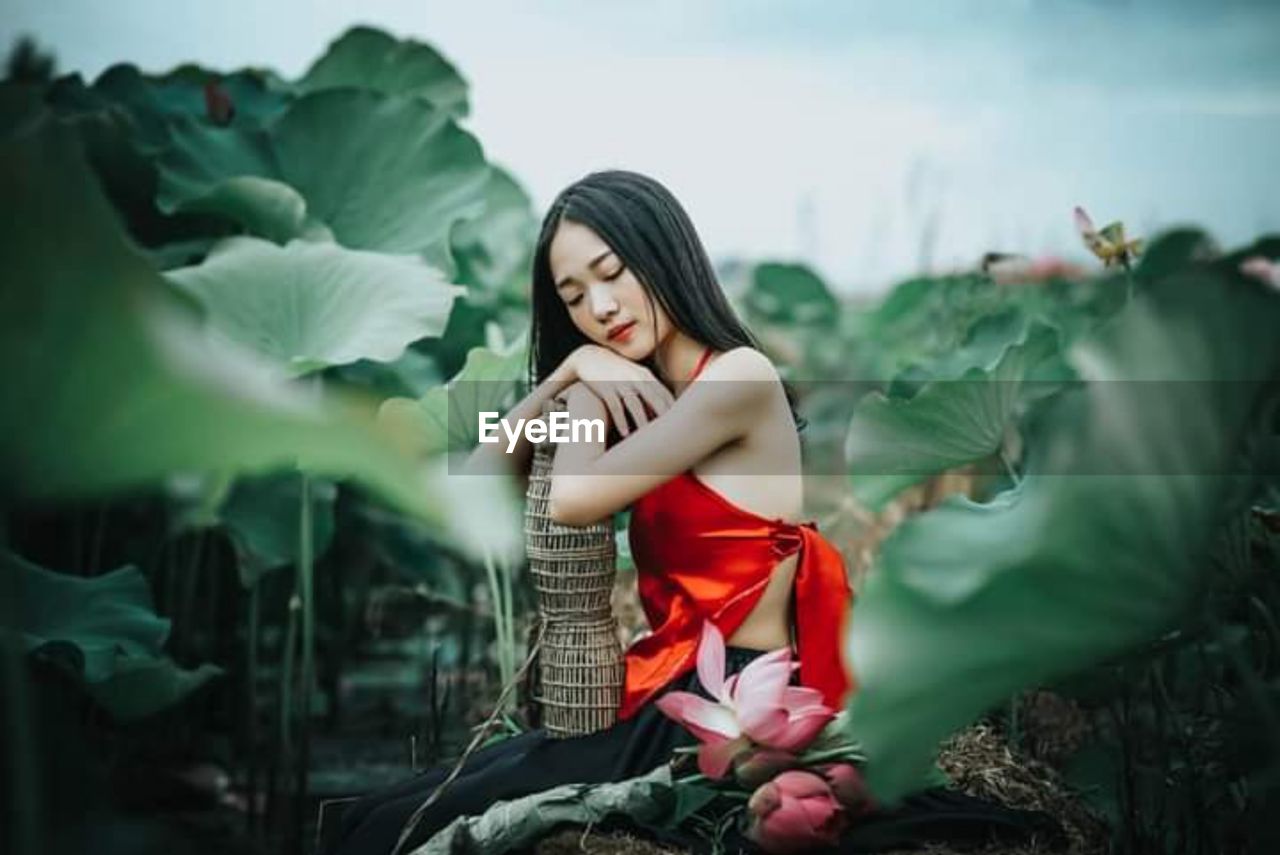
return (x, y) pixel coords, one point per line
(848, 787)
(1108, 243)
(795, 812)
(755, 706)
(1263, 269)
(1017, 269)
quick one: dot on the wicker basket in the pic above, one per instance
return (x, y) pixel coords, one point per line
(580, 670)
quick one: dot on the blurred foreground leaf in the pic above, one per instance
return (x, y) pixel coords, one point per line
(114, 385)
(1101, 547)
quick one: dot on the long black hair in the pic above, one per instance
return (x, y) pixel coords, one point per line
(653, 236)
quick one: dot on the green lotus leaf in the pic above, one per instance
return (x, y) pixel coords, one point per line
(790, 294)
(650, 799)
(143, 687)
(105, 630)
(1173, 251)
(117, 387)
(389, 173)
(261, 515)
(495, 250)
(312, 305)
(447, 418)
(370, 59)
(1101, 547)
(264, 207)
(154, 102)
(893, 443)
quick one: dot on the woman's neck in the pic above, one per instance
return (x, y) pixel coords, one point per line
(676, 357)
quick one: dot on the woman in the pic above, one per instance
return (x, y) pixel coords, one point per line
(627, 314)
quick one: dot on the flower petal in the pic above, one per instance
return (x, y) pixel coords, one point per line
(1084, 225)
(799, 699)
(715, 758)
(794, 733)
(705, 719)
(760, 684)
(711, 661)
(761, 724)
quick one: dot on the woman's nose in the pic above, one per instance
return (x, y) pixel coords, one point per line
(602, 303)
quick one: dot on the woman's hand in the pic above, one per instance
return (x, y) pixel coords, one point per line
(623, 386)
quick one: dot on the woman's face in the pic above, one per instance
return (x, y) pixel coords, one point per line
(602, 295)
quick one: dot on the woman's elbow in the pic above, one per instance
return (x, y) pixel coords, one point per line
(566, 508)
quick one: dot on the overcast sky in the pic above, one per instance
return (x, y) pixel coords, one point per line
(839, 133)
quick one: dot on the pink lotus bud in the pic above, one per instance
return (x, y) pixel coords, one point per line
(754, 768)
(795, 812)
(848, 786)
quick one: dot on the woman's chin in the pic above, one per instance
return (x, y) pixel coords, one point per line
(631, 349)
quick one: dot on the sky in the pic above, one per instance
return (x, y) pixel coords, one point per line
(869, 140)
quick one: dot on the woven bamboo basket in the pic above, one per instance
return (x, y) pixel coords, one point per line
(580, 670)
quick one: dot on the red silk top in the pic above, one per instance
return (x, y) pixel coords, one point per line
(700, 557)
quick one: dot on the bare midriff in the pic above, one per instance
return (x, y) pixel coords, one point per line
(767, 627)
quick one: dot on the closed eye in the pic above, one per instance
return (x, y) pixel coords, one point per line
(575, 301)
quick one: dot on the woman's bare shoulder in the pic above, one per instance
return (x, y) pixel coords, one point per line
(743, 363)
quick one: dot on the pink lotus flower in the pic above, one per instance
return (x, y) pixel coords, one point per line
(1109, 242)
(848, 787)
(795, 812)
(1262, 268)
(1017, 269)
(755, 706)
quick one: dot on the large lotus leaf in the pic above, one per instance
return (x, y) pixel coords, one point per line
(983, 346)
(104, 629)
(920, 320)
(1173, 251)
(113, 385)
(262, 206)
(1101, 546)
(447, 418)
(413, 374)
(143, 687)
(790, 294)
(154, 102)
(382, 172)
(370, 59)
(650, 799)
(893, 443)
(261, 515)
(312, 305)
(494, 250)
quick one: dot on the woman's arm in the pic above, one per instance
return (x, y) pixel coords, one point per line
(607, 373)
(491, 458)
(588, 482)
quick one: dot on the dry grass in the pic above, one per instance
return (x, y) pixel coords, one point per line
(980, 763)
(576, 841)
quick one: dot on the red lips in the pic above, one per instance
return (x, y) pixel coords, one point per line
(621, 330)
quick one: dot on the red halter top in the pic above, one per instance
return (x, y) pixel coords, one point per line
(700, 557)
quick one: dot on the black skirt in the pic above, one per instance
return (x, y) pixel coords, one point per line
(520, 766)
(533, 762)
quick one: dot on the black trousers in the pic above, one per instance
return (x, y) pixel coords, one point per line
(519, 766)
